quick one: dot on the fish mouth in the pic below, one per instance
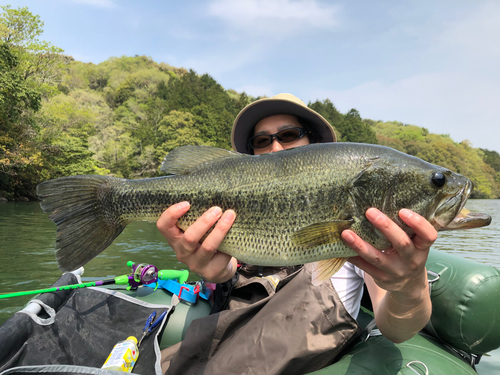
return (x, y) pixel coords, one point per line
(449, 209)
(452, 215)
(468, 220)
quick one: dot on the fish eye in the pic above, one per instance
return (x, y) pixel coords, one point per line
(438, 179)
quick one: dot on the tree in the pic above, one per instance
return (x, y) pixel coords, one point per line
(148, 117)
(16, 95)
(330, 113)
(39, 61)
(491, 158)
(349, 127)
(202, 96)
(18, 102)
(178, 129)
(353, 129)
(29, 71)
(66, 124)
(124, 92)
(97, 76)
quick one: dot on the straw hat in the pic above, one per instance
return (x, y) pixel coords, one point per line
(286, 104)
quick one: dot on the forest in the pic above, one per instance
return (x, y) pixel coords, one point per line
(61, 117)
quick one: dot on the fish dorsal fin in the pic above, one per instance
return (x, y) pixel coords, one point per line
(324, 269)
(185, 159)
(321, 233)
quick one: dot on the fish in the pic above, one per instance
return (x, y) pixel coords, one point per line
(291, 206)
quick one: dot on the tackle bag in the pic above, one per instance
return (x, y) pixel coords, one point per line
(76, 331)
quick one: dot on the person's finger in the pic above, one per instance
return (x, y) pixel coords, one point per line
(215, 238)
(399, 239)
(199, 228)
(370, 259)
(167, 223)
(207, 261)
(426, 234)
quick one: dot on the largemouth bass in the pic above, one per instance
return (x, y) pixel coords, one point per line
(291, 206)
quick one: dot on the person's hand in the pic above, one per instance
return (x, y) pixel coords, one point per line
(402, 267)
(396, 278)
(202, 258)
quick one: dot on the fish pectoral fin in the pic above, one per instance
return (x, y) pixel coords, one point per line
(324, 269)
(321, 233)
(185, 159)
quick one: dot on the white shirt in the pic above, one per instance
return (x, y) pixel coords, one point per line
(348, 282)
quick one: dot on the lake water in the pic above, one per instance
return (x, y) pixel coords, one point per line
(28, 262)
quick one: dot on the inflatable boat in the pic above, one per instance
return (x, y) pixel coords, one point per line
(73, 331)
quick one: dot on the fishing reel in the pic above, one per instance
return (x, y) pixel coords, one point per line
(172, 280)
(142, 274)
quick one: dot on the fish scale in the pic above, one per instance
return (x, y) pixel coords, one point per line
(291, 206)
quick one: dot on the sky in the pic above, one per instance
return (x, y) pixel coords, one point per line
(434, 64)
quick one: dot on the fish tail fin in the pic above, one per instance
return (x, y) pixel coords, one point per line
(324, 269)
(84, 227)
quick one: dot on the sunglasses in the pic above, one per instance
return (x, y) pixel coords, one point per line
(283, 136)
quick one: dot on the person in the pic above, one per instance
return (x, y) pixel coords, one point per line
(396, 279)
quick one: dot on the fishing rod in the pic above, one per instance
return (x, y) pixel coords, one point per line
(142, 274)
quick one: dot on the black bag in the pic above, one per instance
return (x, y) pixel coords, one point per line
(77, 331)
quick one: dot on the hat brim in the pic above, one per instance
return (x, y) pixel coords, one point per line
(256, 111)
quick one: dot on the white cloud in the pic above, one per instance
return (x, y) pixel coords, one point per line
(97, 3)
(455, 90)
(277, 18)
(222, 61)
(244, 33)
(446, 103)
